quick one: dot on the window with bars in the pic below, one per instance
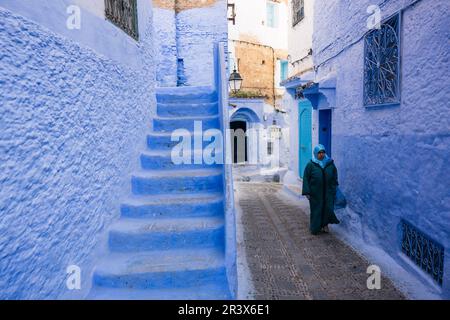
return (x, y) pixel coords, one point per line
(232, 13)
(382, 64)
(123, 13)
(298, 11)
(423, 251)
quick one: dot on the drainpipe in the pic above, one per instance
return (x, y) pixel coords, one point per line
(181, 77)
(273, 78)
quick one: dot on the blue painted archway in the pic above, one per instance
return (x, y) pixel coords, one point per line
(305, 135)
(245, 114)
(241, 119)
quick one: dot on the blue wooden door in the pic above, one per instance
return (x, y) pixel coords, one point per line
(304, 130)
(325, 129)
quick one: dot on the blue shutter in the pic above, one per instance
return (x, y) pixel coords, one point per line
(275, 15)
(270, 14)
(283, 70)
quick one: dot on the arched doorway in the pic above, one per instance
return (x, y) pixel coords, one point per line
(305, 137)
(240, 143)
(241, 121)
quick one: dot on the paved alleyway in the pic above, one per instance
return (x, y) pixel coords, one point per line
(287, 262)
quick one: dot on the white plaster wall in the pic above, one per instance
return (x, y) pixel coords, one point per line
(292, 108)
(300, 38)
(251, 18)
(299, 42)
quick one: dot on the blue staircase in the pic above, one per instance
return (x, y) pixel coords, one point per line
(169, 242)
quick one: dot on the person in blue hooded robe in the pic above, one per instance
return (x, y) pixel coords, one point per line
(320, 181)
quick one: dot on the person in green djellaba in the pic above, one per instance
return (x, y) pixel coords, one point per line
(320, 181)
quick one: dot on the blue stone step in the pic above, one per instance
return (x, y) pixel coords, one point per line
(177, 181)
(184, 94)
(161, 269)
(184, 109)
(174, 206)
(213, 291)
(162, 160)
(128, 235)
(161, 124)
(162, 140)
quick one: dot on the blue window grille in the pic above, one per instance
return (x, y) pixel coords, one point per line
(283, 70)
(382, 64)
(272, 14)
(423, 251)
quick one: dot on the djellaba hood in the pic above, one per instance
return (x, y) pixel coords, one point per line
(322, 163)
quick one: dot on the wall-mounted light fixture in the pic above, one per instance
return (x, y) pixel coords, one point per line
(235, 81)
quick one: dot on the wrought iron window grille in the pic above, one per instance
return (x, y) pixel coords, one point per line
(123, 13)
(298, 11)
(299, 93)
(423, 251)
(382, 64)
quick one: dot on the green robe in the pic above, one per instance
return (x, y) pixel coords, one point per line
(320, 184)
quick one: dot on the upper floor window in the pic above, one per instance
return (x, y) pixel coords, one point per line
(232, 13)
(272, 14)
(382, 64)
(283, 70)
(123, 13)
(298, 11)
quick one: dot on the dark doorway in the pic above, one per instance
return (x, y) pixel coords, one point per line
(325, 129)
(239, 139)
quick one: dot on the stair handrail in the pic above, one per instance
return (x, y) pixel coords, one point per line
(221, 86)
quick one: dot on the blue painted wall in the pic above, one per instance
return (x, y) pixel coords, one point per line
(197, 30)
(189, 35)
(165, 46)
(72, 117)
(392, 161)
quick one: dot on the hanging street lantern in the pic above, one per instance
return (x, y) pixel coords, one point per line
(235, 81)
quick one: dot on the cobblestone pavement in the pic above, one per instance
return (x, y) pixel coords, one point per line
(287, 262)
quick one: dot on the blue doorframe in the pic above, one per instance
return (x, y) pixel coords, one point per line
(305, 135)
(325, 129)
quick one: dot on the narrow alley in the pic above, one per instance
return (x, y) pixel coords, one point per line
(287, 262)
(172, 149)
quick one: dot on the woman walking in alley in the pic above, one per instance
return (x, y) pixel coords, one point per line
(320, 181)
